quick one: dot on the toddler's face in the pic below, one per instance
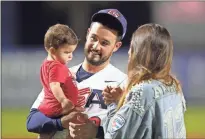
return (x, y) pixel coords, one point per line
(64, 53)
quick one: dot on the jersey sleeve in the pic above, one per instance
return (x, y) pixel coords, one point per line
(133, 120)
(38, 100)
(57, 72)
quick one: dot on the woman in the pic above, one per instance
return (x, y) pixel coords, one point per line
(153, 105)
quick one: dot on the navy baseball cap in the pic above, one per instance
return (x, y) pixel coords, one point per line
(111, 17)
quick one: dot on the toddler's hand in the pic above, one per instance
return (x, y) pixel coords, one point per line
(67, 106)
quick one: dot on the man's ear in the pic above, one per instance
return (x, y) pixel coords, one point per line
(117, 46)
(88, 31)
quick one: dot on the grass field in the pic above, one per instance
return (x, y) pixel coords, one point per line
(14, 123)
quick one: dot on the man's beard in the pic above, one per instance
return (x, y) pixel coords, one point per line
(91, 58)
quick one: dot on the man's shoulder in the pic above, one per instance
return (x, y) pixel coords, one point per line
(75, 67)
(115, 71)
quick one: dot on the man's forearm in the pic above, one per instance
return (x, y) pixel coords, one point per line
(37, 122)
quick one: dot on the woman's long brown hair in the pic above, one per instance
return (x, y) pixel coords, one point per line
(151, 53)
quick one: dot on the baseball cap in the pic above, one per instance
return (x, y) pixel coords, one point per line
(111, 16)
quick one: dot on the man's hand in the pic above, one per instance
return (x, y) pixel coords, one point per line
(74, 116)
(86, 130)
(112, 94)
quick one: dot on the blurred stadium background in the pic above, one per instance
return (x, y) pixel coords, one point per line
(25, 23)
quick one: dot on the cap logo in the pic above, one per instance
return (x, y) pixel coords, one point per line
(114, 13)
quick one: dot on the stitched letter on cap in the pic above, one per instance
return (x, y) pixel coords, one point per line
(114, 13)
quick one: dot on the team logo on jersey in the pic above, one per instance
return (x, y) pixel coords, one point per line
(96, 120)
(82, 96)
(88, 96)
(114, 13)
(96, 97)
(117, 123)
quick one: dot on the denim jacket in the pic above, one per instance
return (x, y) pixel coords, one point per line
(152, 110)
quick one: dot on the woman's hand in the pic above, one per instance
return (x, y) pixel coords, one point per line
(112, 94)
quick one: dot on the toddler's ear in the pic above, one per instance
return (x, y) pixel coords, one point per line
(52, 50)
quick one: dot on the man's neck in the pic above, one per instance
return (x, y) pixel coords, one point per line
(93, 69)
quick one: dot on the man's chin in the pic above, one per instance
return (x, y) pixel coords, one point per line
(93, 59)
(94, 62)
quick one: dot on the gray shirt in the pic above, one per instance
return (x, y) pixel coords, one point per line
(152, 110)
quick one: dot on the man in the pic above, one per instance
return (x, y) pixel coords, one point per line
(103, 38)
